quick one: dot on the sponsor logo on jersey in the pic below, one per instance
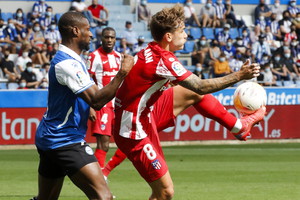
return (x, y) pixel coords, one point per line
(89, 150)
(178, 68)
(171, 59)
(156, 164)
(80, 76)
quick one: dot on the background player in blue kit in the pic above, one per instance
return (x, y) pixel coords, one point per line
(60, 135)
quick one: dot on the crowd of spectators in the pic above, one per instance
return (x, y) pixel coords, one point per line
(29, 41)
(272, 41)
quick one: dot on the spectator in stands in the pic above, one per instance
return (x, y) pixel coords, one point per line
(276, 9)
(52, 35)
(12, 36)
(293, 9)
(265, 59)
(144, 12)
(285, 45)
(221, 66)
(296, 22)
(262, 10)
(22, 84)
(288, 37)
(260, 48)
(30, 76)
(254, 34)
(130, 35)
(47, 19)
(290, 64)
(23, 60)
(229, 50)
(262, 23)
(271, 39)
(81, 7)
(268, 78)
(96, 10)
(208, 15)
(236, 62)
(123, 48)
(42, 73)
(8, 68)
(230, 15)
(278, 68)
(20, 22)
(140, 45)
(246, 38)
(285, 23)
(239, 45)
(200, 53)
(275, 28)
(38, 38)
(223, 35)
(214, 51)
(39, 8)
(43, 84)
(191, 17)
(4, 39)
(220, 13)
(295, 48)
(40, 55)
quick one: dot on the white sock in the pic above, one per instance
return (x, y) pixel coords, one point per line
(237, 126)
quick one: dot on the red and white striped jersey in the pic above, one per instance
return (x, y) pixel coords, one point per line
(153, 70)
(104, 66)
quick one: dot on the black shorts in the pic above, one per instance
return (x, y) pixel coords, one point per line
(65, 160)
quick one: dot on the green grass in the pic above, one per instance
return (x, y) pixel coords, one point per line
(203, 172)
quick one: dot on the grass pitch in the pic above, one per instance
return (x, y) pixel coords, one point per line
(202, 172)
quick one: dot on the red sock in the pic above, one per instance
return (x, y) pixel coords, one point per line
(210, 107)
(117, 158)
(101, 157)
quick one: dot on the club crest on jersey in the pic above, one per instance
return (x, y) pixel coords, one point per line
(103, 126)
(80, 76)
(178, 68)
(156, 164)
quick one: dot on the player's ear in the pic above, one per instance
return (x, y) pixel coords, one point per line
(75, 31)
(168, 37)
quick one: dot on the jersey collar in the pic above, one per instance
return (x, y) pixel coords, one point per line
(69, 51)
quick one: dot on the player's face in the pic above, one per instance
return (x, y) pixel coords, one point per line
(85, 36)
(179, 37)
(108, 40)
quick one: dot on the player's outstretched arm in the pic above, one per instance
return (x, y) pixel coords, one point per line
(206, 86)
(98, 98)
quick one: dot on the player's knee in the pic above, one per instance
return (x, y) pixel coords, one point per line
(105, 146)
(168, 193)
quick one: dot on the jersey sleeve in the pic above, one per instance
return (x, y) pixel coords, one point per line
(72, 74)
(170, 68)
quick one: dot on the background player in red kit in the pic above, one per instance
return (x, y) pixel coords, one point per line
(104, 65)
(144, 104)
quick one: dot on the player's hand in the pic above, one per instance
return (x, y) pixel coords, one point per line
(127, 64)
(92, 115)
(249, 71)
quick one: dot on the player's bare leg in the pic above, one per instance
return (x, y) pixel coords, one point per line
(49, 188)
(91, 181)
(162, 189)
(102, 148)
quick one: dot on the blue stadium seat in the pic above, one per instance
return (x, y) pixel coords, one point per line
(189, 46)
(3, 85)
(217, 30)
(195, 33)
(234, 33)
(57, 16)
(208, 33)
(6, 15)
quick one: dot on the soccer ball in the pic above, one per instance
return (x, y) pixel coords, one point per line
(248, 97)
